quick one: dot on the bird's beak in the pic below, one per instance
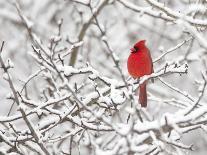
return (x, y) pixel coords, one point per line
(133, 50)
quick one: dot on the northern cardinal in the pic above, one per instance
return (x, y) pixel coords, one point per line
(139, 64)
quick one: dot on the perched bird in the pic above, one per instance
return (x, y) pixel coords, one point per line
(139, 64)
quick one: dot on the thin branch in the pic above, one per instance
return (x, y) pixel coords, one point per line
(83, 32)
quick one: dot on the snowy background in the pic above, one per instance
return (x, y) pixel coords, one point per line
(64, 85)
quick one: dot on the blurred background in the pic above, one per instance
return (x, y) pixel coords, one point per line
(124, 23)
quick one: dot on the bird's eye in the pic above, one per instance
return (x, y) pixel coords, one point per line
(136, 48)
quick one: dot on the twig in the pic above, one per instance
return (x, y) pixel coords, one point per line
(172, 49)
(83, 31)
(199, 97)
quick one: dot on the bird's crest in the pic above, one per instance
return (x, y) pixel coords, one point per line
(140, 43)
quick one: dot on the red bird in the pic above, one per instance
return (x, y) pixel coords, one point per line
(139, 64)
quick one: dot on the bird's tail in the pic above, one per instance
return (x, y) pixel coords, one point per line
(143, 94)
